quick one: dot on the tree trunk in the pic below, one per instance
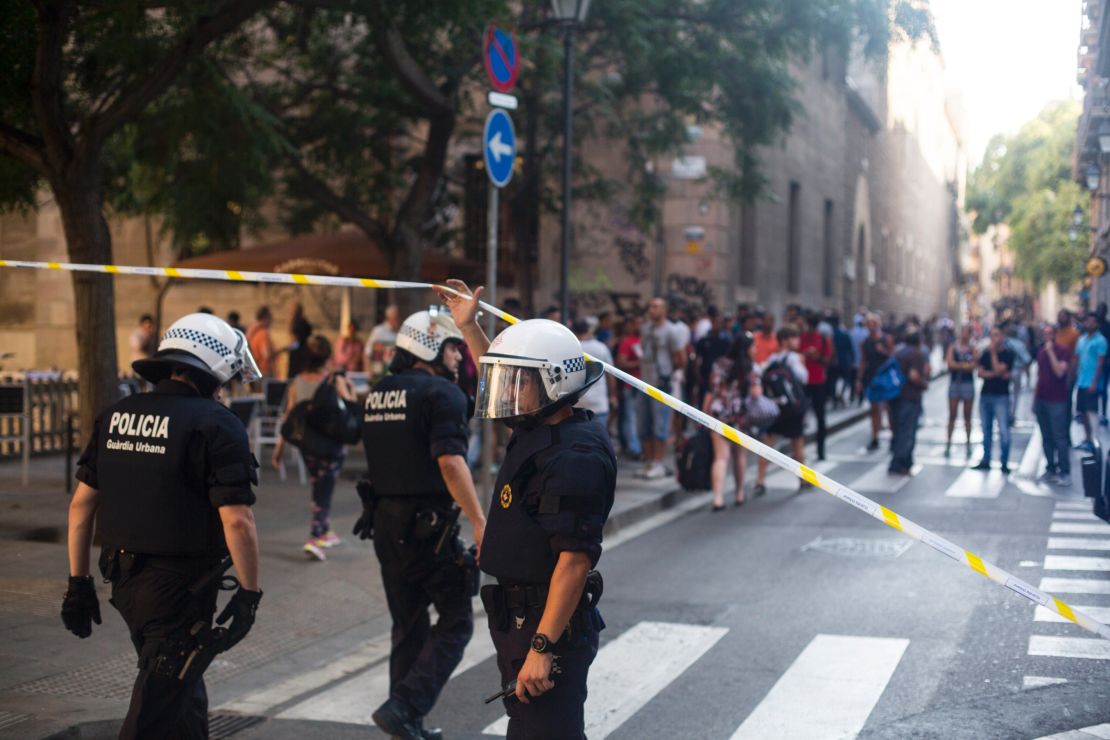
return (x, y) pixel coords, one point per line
(81, 203)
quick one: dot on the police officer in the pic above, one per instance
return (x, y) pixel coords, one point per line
(553, 494)
(169, 475)
(415, 434)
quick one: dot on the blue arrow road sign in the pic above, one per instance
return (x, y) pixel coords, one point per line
(499, 147)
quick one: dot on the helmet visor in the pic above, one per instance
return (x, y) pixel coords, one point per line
(249, 371)
(505, 391)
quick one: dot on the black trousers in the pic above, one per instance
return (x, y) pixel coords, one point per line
(423, 655)
(153, 599)
(557, 714)
(818, 396)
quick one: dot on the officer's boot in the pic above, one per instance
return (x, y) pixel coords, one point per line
(397, 719)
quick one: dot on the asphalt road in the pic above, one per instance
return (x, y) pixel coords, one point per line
(796, 616)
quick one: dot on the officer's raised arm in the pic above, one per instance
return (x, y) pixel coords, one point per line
(464, 310)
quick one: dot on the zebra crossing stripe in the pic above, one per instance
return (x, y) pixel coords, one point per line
(844, 493)
(1078, 543)
(1101, 613)
(1094, 732)
(1083, 516)
(355, 698)
(1069, 647)
(1073, 506)
(1036, 682)
(1078, 528)
(1076, 562)
(828, 692)
(629, 671)
(977, 484)
(1075, 585)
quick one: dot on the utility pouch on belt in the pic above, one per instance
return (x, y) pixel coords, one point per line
(493, 600)
(115, 563)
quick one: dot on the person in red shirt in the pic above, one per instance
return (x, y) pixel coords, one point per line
(629, 353)
(817, 350)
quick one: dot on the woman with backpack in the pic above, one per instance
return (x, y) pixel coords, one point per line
(731, 380)
(323, 471)
(784, 380)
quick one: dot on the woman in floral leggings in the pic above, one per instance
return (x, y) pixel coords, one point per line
(323, 471)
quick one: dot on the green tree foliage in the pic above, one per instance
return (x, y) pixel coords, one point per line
(76, 76)
(1025, 182)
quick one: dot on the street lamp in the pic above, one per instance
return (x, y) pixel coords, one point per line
(1104, 136)
(1077, 216)
(569, 13)
(1093, 176)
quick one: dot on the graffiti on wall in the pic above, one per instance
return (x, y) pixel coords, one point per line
(688, 293)
(594, 302)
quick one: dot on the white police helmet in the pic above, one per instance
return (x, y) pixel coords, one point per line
(424, 333)
(531, 367)
(205, 342)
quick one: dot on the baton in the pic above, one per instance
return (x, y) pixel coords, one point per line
(508, 691)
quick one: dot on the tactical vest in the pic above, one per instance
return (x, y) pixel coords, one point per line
(396, 434)
(152, 500)
(516, 548)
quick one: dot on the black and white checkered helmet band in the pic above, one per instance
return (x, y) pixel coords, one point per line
(574, 364)
(198, 337)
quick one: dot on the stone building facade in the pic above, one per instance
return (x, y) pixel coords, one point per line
(863, 207)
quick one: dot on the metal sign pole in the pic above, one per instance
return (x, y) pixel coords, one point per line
(488, 430)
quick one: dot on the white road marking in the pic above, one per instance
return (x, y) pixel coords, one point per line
(1031, 458)
(1075, 562)
(1101, 613)
(629, 671)
(1085, 516)
(356, 698)
(1078, 543)
(1095, 648)
(1075, 586)
(977, 484)
(829, 690)
(1079, 528)
(1036, 682)
(259, 702)
(877, 480)
(1082, 505)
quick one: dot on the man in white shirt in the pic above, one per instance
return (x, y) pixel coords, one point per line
(379, 347)
(602, 395)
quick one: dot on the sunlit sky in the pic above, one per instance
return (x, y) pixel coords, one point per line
(1007, 58)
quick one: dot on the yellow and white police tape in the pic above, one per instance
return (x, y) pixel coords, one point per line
(864, 504)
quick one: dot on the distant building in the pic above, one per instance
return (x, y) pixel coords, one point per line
(864, 206)
(1092, 144)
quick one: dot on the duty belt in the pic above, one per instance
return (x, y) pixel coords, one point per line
(501, 602)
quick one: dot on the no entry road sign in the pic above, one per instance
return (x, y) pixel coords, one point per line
(500, 56)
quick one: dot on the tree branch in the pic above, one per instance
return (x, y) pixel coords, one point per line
(342, 207)
(46, 85)
(22, 146)
(411, 75)
(162, 74)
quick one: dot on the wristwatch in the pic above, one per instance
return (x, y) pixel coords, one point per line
(541, 643)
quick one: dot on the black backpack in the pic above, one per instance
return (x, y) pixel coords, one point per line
(781, 386)
(694, 461)
(321, 425)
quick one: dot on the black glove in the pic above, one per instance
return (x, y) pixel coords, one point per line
(240, 610)
(80, 607)
(364, 527)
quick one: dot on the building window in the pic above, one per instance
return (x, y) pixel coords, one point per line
(827, 236)
(747, 245)
(793, 258)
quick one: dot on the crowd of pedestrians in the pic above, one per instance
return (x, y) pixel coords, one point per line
(767, 377)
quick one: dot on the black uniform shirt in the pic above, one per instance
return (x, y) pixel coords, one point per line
(219, 437)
